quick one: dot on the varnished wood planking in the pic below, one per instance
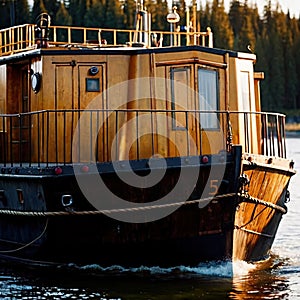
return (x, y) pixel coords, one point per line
(268, 185)
(3, 88)
(63, 86)
(60, 90)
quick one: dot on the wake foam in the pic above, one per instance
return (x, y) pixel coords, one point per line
(226, 269)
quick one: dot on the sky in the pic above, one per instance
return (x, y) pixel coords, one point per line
(292, 5)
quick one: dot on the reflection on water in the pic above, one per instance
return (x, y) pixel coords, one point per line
(264, 282)
(276, 278)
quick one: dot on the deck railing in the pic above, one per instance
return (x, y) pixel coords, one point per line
(17, 38)
(23, 37)
(45, 137)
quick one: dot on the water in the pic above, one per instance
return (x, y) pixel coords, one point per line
(277, 278)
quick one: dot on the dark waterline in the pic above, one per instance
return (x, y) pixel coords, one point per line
(277, 278)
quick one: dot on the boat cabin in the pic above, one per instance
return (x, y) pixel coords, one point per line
(141, 98)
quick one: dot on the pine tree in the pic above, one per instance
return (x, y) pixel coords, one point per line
(129, 10)
(246, 35)
(77, 10)
(290, 67)
(262, 65)
(95, 14)
(160, 16)
(275, 29)
(235, 17)
(159, 12)
(14, 12)
(205, 16)
(296, 48)
(5, 12)
(223, 33)
(276, 66)
(37, 9)
(52, 7)
(256, 21)
(113, 14)
(62, 16)
(22, 12)
(295, 31)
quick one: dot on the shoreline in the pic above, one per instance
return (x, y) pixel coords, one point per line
(292, 129)
(292, 126)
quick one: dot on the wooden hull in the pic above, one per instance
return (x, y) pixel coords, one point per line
(77, 243)
(187, 236)
(78, 234)
(257, 218)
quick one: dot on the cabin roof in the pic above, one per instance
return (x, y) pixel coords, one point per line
(81, 50)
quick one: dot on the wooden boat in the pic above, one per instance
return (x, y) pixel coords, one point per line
(135, 147)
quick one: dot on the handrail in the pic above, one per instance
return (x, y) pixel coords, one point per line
(147, 110)
(45, 137)
(22, 37)
(16, 38)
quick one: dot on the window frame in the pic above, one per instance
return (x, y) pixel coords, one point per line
(173, 70)
(89, 81)
(215, 127)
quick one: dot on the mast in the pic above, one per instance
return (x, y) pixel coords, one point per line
(142, 25)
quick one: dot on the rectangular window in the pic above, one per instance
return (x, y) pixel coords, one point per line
(246, 107)
(208, 97)
(92, 85)
(179, 96)
(245, 91)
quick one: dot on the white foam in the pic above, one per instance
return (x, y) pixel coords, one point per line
(215, 268)
(242, 268)
(225, 269)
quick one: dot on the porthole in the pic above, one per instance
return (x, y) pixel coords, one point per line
(36, 82)
(93, 70)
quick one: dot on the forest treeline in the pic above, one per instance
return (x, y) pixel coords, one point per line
(274, 36)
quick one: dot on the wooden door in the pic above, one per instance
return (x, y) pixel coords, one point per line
(19, 127)
(91, 91)
(25, 149)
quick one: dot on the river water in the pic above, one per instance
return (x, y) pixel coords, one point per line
(277, 278)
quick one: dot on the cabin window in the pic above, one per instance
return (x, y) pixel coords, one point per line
(245, 91)
(208, 97)
(179, 97)
(246, 106)
(92, 85)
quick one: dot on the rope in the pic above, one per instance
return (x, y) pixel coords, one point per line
(250, 199)
(106, 211)
(242, 196)
(255, 232)
(247, 198)
(28, 244)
